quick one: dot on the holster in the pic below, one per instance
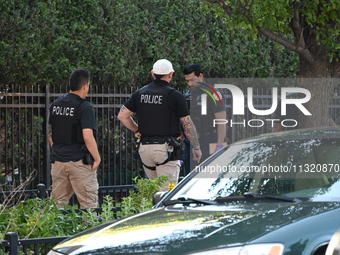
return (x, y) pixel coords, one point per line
(176, 154)
(178, 151)
(88, 159)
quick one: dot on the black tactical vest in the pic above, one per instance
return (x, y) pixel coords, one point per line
(65, 121)
(155, 117)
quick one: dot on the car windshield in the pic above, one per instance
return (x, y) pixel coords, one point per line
(308, 168)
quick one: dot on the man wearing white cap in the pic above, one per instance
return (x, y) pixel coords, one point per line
(162, 115)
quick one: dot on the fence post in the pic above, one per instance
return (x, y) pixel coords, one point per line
(47, 161)
(42, 190)
(12, 238)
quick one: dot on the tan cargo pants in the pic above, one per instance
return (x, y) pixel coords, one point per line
(74, 177)
(152, 154)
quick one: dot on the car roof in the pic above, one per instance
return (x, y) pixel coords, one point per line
(306, 133)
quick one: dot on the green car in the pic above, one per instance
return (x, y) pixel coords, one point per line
(273, 194)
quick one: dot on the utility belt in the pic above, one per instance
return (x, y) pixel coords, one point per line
(175, 147)
(156, 139)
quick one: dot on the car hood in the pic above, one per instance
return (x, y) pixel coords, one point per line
(178, 229)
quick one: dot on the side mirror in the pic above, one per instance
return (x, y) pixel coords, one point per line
(158, 196)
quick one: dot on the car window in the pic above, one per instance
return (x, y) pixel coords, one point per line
(307, 168)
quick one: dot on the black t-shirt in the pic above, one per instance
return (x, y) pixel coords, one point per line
(159, 109)
(86, 117)
(215, 103)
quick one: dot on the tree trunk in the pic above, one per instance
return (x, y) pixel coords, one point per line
(320, 83)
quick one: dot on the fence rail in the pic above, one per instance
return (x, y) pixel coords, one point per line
(12, 244)
(117, 192)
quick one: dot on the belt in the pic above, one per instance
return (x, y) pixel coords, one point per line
(155, 139)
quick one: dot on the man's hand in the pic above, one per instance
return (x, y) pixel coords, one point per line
(91, 146)
(218, 147)
(96, 163)
(197, 154)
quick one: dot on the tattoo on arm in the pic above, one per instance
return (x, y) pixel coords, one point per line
(50, 134)
(125, 116)
(190, 131)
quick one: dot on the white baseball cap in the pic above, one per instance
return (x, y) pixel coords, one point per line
(162, 67)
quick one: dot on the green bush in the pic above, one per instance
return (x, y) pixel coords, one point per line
(38, 218)
(118, 41)
(141, 200)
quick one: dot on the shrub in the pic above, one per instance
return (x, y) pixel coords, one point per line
(141, 200)
(37, 218)
(42, 41)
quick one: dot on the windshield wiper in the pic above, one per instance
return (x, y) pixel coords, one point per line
(247, 195)
(276, 197)
(186, 200)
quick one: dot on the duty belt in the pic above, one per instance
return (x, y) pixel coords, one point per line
(155, 139)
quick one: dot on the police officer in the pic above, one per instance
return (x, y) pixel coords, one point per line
(74, 148)
(161, 112)
(216, 109)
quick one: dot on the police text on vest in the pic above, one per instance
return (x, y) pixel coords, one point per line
(63, 111)
(151, 99)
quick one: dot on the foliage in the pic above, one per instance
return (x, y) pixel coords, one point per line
(141, 200)
(319, 17)
(33, 218)
(118, 41)
(324, 17)
(309, 28)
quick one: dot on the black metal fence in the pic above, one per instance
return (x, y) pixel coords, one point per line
(9, 198)
(24, 148)
(25, 152)
(37, 246)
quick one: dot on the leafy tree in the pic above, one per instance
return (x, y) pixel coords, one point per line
(309, 28)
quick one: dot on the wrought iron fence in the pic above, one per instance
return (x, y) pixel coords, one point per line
(24, 148)
(117, 192)
(37, 246)
(25, 152)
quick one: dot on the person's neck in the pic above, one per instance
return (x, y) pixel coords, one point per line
(166, 78)
(79, 93)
